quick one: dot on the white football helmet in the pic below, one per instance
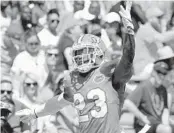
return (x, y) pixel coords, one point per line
(85, 52)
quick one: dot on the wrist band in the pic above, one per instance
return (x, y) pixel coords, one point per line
(129, 30)
(35, 114)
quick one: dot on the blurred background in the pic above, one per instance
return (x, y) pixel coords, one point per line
(36, 39)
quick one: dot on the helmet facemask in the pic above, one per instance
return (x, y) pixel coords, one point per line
(85, 57)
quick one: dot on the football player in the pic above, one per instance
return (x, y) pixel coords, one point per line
(95, 86)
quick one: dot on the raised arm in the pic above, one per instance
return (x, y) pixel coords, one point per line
(123, 71)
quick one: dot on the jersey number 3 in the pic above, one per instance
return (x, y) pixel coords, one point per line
(99, 98)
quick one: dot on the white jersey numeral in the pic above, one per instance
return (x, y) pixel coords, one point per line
(80, 105)
(99, 98)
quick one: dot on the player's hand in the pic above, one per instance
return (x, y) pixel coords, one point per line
(125, 14)
(26, 115)
(145, 120)
(67, 79)
(68, 89)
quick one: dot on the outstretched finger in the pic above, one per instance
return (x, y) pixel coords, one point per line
(128, 5)
(121, 14)
(122, 9)
(67, 78)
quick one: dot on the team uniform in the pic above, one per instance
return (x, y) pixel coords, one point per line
(98, 89)
(98, 84)
(98, 103)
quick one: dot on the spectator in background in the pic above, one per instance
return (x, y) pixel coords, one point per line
(94, 9)
(52, 53)
(15, 8)
(169, 83)
(54, 70)
(146, 50)
(19, 26)
(39, 12)
(6, 96)
(112, 21)
(30, 89)
(138, 15)
(8, 53)
(11, 43)
(167, 56)
(94, 29)
(72, 31)
(78, 5)
(6, 88)
(5, 17)
(64, 51)
(49, 35)
(6, 109)
(81, 10)
(33, 58)
(165, 6)
(90, 14)
(149, 102)
(113, 28)
(94, 19)
(167, 37)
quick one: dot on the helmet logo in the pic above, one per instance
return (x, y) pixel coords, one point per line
(95, 40)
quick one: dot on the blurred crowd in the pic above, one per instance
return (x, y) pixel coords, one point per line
(36, 39)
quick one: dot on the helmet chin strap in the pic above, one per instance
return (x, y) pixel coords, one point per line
(95, 64)
(92, 67)
(85, 68)
(88, 69)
